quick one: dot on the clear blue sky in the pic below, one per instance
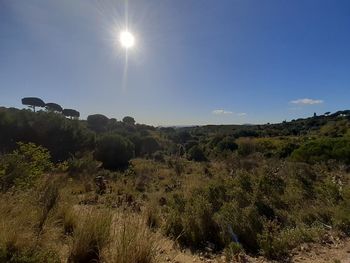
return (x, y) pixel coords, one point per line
(194, 61)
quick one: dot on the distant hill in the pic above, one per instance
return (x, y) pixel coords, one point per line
(291, 128)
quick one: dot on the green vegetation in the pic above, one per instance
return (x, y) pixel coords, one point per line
(23, 167)
(324, 149)
(196, 154)
(97, 122)
(62, 137)
(104, 190)
(114, 151)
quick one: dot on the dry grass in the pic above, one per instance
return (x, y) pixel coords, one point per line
(19, 238)
(17, 219)
(91, 236)
(107, 231)
(14, 238)
(133, 242)
(68, 218)
(47, 199)
(99, 236)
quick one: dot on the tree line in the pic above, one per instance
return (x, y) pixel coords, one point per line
(113, 142)
(34, 102)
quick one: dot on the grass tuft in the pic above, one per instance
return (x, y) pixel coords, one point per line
(91, 236)
(133, 242)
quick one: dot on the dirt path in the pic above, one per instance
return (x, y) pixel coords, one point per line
(335, 253)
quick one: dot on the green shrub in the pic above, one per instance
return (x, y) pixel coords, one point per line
(322, 150)
(24, 166)
(159, 156)
(276, 243)
(149, 145)
(129, 120)
(61, 136)
(271, 242)
(114, 151)
(196, 154)
(97, 122)
(246, 147)
(192, 222)
(245, 223)
(83, 165)
(341, 218)
(286, 149)
(227, 144)
(190, 144)
(232, 250)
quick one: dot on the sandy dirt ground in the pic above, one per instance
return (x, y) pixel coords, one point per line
(338, 252)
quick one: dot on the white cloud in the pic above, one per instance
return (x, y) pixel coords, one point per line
(226, 112)
(306, 101)
(221, 112)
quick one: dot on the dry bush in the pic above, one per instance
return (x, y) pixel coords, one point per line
(144, 167)
(91, 236)
(68, 218)
(133, 242)
(18, 217)
(14, 238)
(47, 196)
(277, 243)
(152, 216)
(246, 146)
(19, 239)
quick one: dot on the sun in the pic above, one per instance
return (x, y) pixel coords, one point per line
(127, 40)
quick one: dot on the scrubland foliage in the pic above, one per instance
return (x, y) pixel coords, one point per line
(133, 242)
(324, 149)
(90, 236)
(114, 151)
(232, 190)
(24, 166)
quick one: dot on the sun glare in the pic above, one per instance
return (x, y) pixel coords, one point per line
(127, 40)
